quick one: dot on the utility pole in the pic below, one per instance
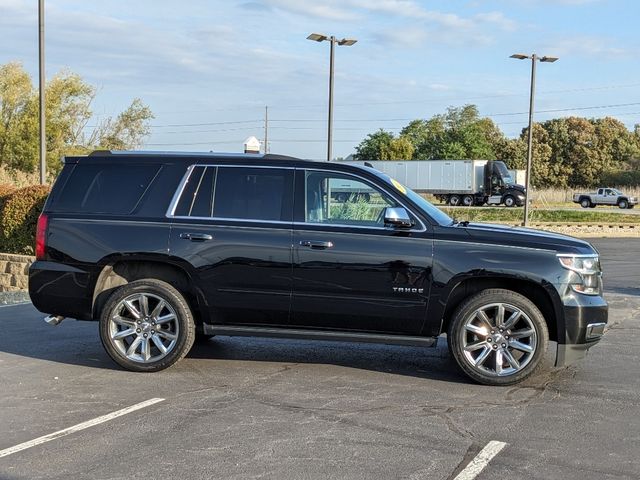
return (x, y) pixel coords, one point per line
(266, 130)
(43, 139)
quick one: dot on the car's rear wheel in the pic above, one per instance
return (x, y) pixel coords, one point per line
(498, 337)
(585, 203)
(147, 326)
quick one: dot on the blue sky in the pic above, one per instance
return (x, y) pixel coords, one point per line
(208, 68)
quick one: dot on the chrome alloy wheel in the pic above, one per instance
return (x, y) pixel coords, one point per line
(498, 339)
(144, 328)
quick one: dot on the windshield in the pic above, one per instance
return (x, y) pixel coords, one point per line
(616, 192)
(428, 208)
(504, 173)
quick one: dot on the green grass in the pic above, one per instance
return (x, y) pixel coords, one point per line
(515, 215)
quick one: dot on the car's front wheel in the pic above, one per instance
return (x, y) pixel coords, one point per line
(147, 326)
(498, 337)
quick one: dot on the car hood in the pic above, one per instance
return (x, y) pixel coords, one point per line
(526, 237)
(517, 186)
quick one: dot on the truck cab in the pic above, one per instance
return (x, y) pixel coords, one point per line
(499, 186)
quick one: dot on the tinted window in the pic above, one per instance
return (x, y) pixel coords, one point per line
(197, 196)
(253, 194)
(344, 200)
(114, 189)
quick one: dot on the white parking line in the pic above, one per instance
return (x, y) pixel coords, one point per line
(78, 427)
(481, 460)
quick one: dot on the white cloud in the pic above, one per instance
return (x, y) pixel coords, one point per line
(588, 46)
(328, 10)
(498, 19)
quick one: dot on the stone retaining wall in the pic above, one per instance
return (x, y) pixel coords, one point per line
(14, 272)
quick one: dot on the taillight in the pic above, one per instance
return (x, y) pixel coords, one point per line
(41, 236)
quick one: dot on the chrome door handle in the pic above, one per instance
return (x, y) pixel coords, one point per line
(314, 244)
(196, 237)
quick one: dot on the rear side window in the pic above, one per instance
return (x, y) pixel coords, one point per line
(237, 193)
(111, 189)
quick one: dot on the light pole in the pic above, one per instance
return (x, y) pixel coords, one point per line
(43, 140)
(534, 58)
(346, 42)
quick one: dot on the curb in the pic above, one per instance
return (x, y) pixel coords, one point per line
(13, 298)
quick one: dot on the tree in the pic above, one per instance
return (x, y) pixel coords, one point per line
(513, 152)
(571, 151)
(425, 135)
(399, 148)
(371, 148)
(67, 111)
(460, 133)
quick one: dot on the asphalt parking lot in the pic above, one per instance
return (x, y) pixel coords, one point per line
(243, 408)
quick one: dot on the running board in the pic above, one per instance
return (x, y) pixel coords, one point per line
(295, 333)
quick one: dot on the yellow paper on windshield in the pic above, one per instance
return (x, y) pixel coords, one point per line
(399, 186)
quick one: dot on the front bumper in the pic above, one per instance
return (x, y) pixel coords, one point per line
(585, 320)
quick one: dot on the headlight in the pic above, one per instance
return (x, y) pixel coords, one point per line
(588, 272)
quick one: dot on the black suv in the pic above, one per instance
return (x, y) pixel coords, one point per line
(163, 248)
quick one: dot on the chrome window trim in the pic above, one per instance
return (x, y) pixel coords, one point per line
(176, 196)
(224, 219)
(183, 183)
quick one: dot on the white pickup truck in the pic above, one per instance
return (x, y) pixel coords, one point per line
(605, 196)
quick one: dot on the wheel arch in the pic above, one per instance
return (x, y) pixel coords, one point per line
(541, 295)
(122, 271)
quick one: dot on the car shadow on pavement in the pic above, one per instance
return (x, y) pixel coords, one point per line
(421, 362)
(77, 343)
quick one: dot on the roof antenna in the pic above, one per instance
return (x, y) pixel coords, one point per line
(367, 164)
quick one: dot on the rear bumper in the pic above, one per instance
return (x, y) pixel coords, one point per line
(59, 289)
(585, 323)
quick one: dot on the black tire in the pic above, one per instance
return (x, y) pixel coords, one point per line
(510, 201)
(585, 203)
(530, 319)
(623, 204)
(593, 205)
(468, 201)
(454, 200)
(181, 326)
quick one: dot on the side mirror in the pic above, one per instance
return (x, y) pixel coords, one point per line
(397, 217)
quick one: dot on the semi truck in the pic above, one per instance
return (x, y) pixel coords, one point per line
(454, 182)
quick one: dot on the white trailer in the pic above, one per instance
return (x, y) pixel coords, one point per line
(456, 182)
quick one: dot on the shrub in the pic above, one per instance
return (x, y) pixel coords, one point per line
(6, 189)
(18, 218)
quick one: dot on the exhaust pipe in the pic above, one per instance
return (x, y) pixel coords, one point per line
(54, 320)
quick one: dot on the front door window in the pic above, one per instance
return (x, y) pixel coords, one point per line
(337, 199)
